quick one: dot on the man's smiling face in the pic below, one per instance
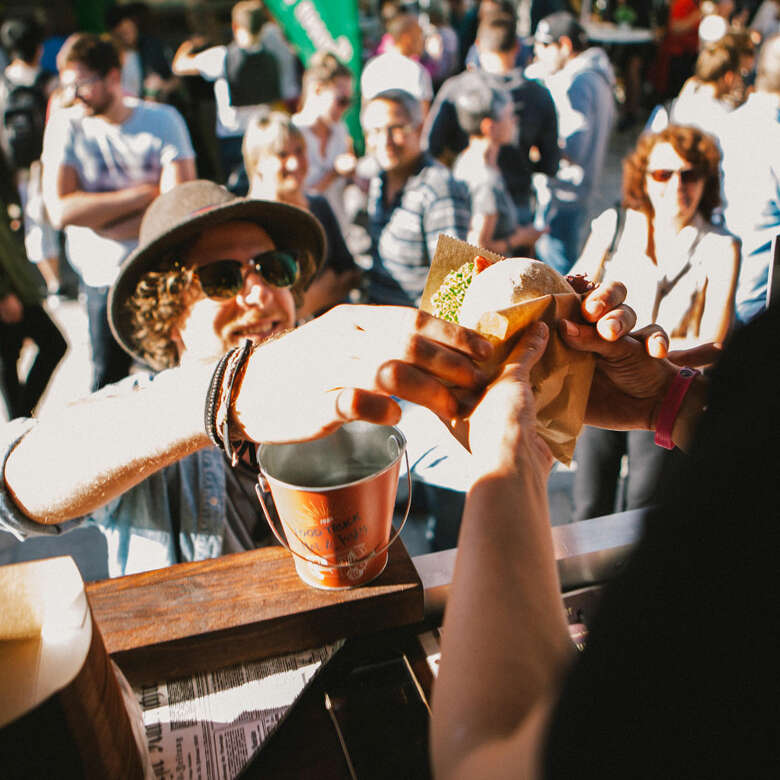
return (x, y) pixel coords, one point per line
(212, 326)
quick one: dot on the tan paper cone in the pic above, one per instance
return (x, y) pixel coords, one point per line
(561, 379)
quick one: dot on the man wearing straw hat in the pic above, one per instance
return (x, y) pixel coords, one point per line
(216, 273)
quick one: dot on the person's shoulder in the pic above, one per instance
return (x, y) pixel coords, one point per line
(606, 222)
(455, 84)
(375, 62)
(436, 180)
(718, 238)
(150, 107)
(149, 111)
(432, 170)
(319, 206)
(302, 121)
(220, 50)
(529, 88)
(65, 119)
(210, 60)
(760, 110)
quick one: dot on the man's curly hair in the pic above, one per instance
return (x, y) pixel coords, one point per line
(159, 300)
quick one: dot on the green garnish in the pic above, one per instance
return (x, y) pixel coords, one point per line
(447, 300)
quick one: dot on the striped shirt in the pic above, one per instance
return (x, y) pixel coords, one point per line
(404, 233)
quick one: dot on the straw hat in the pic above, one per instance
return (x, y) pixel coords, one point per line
(180, 214)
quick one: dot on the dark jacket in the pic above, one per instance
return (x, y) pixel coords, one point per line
(537, 126)
(16, 273)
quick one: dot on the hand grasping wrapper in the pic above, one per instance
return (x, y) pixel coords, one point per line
(499, 298)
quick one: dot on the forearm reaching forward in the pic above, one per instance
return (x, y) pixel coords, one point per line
(504, 613)
(78, 458)
(342, 366)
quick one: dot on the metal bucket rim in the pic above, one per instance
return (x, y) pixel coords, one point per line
(402, 449)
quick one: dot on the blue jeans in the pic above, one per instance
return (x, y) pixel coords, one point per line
(752, 285)
(110, 362)
(560, 247)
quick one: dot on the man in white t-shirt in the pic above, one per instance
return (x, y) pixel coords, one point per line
(104, 160)
(399, 67)
(245, 75)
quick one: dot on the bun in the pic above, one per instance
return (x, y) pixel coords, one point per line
(506, 283)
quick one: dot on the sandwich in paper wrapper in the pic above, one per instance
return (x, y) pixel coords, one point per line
(499, 298)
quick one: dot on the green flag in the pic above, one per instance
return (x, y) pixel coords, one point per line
(332, 25)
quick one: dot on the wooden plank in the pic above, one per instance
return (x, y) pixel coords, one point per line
(247, 606)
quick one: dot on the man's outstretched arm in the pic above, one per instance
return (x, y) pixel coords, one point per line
(342, 366)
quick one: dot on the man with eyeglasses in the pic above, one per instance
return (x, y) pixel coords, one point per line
(411, 201)
(105, 159)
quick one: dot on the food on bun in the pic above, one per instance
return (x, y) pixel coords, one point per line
(481, 286)
(499, 298)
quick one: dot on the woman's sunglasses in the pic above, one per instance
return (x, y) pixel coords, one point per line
(225, 278)
(687, 175)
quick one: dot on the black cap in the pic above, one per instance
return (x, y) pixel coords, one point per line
(558, 25)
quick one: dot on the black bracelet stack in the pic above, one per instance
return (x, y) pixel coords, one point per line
(219, 400)
(212, 400)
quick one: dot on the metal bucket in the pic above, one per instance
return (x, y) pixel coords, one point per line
(335, 497)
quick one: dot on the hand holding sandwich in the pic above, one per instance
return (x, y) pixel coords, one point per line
(633, 370)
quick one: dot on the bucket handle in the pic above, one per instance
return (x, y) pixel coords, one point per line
(324, 561)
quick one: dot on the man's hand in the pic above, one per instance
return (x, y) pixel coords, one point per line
(11, 309)
(345, 366)
(633, 370)
(631, 377)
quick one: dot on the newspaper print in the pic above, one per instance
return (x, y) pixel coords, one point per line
(208, 726)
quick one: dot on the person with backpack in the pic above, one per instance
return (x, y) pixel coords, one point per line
(245, 76)
(24, 92)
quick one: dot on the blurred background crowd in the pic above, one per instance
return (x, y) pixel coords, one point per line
(636, 140)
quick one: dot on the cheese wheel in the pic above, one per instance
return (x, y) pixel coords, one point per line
(507, 283)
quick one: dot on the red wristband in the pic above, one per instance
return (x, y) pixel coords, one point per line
(670, 407)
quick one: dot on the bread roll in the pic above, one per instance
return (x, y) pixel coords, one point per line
(506, 283)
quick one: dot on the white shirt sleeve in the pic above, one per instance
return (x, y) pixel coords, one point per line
(210, 62)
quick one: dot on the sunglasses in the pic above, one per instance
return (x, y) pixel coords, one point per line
(75, 88)
(687, 175)
(225, 278)
(343, 102)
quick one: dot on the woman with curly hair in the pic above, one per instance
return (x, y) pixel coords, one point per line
(681, 273)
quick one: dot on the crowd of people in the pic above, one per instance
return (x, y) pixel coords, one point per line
(490, 124)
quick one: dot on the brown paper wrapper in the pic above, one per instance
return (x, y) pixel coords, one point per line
(560, 380)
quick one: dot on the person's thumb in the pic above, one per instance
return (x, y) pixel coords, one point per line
(528, 350)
